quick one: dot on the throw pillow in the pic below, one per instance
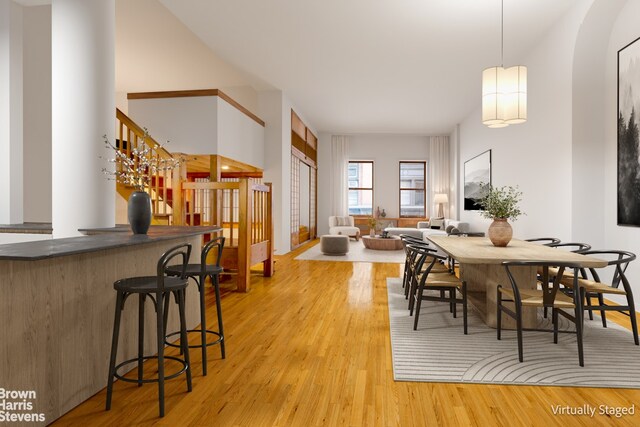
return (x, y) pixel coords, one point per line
(339, 221)
(437, 223)
(449, 228)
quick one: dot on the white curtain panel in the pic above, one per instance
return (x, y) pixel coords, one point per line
(339, 179)
(439, 171)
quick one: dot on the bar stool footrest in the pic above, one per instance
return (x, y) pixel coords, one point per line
(149, 380)
(209, 344)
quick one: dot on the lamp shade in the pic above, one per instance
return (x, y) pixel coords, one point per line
(504, 96)
(440, 198)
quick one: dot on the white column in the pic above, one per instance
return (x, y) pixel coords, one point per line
(11, 181)
(83, 109)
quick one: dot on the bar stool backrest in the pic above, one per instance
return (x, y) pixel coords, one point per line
(183, 250)
(218, 244)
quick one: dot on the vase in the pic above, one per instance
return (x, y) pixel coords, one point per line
(139, 212)
(383, 214)
(372, 232)
(500, 232)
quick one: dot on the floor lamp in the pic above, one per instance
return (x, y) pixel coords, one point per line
(441, 199)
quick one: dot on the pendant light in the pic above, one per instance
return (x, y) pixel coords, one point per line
(504, 91)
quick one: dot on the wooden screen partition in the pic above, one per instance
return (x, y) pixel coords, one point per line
(246, 220)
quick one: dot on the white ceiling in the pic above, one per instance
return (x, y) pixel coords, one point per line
(379, 66)
(392, 66)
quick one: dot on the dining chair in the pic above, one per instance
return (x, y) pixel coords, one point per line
(447, 285)
(574, 247)
(410, 240)
(595, 287)
(559, 302)
(545, 241)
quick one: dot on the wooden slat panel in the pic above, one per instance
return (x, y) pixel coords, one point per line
(298, 127)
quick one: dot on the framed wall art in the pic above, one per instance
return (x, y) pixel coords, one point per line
(628, 139)
(477, 173)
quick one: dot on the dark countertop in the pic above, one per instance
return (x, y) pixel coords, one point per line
(107, 239)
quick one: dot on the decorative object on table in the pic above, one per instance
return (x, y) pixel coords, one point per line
(372, 226)
(628, 138)
(477, 171)
(383, 213)
(136, 171)
(377, 212)
(440, 199)
(504, 91)
(501, 204)
(385, 234)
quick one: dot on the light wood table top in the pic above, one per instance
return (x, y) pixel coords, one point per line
(480, 250)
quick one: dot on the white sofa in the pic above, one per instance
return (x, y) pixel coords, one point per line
(343, 225)
(423, 229)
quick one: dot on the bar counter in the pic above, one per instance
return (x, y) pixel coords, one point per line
(57, 306)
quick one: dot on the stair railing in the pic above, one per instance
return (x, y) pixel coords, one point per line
(244, 211)
(131, 137)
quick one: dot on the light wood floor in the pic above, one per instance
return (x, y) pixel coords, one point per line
(310, 346)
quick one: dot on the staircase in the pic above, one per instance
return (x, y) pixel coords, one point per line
(241, 205)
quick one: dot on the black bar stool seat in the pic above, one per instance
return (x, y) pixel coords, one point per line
(199, 273)
(148, 284)
(159, 290)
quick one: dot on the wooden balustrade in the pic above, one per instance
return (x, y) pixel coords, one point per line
(132, 137)
(244, 210)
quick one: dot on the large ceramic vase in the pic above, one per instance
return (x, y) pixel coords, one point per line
(500, 232)
(139, 212)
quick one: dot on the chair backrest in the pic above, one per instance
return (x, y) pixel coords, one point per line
(419, 255)
(347, 221)
(577, 248)
(183, 250)
(619, 259)
(546, 241)
(562, 266)
(218, 244)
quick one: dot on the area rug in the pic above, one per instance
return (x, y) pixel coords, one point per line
(357, 253)
(440, 352)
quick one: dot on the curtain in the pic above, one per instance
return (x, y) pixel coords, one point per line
(439, 171)
(339, 180)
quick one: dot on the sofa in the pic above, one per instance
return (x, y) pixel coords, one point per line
(423, 229)
(343, 225)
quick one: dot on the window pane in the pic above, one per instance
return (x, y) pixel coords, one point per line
(412, 203)
(360, 202)
(412, 175)
(361, 175)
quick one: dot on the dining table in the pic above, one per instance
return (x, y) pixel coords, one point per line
(480, 266)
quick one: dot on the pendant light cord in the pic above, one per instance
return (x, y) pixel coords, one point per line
(502, 36)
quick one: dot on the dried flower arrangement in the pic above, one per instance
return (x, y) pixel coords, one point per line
(136, 170)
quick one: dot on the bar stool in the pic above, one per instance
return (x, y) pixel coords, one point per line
(199, 273)
(159, 289)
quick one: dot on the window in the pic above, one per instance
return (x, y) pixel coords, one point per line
(412, 185)
(360, 177)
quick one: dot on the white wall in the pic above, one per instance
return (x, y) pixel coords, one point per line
(37, 114)
(155, 51)
(11, 113)
(189, 124)
(239, 137)
(536, 155)
(387, 151)
(625, 30)
(201, 125)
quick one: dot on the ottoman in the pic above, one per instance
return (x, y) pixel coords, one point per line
(334, 245)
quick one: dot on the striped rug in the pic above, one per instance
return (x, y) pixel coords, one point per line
(440, 352)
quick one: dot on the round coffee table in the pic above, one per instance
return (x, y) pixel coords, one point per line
(377, 243)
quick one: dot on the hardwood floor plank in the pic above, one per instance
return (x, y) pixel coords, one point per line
(310, 347)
